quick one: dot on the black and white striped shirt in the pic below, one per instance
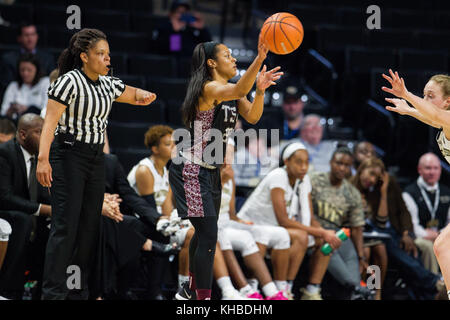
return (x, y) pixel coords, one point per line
(88, 104)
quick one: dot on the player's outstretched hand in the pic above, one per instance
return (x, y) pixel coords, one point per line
(401, 106)
(267, 78)
(398, 85)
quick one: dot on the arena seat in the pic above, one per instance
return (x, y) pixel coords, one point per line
(140, 114)
(167, 88)
(173, 109)
(127, 134)
(130, 156)
(392, 38)
(423, 60)
(106, 20)
(128, 42)
(16, 13)
(360, 59)
(132, 80)
(378, 126)
(154, 65)
(55, 16)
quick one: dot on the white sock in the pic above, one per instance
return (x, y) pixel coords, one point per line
(281, 285)
(253, 283)
(246, 290)
(225, 284)
(313, 288)
(270, 289)
(182, 279)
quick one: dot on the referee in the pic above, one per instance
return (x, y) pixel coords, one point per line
(71, 159)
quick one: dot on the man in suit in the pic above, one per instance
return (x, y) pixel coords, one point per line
(22, 200)
(124, 237)
(27, 39)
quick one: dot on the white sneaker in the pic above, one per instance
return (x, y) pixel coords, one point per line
(3, 298)
(234, 295)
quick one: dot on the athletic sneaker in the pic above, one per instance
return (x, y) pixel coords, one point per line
(255, 295)
(278, 296)
(306, 295)
(362, 293)
(234, 295)
(288, 295)
(185, 293)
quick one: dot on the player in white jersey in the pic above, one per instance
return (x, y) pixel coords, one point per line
(283, 199)
(237, 234)
(433, 110)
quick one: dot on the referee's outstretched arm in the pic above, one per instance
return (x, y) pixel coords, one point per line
(136, 96)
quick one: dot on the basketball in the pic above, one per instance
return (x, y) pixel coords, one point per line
(282, 32)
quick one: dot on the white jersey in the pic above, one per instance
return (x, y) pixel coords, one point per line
(227, 192)
(259, 208)
(160, 185)
(444, 145)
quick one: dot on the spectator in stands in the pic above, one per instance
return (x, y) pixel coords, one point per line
(337, 203)
(7, 130)
(187, 28)
(293, 113)
(22, 201)
(401, 249)
(372, 181)
(29, 92)
(361, 151)
(428, 202)
(124, 236)
(27, 39)
(319, 151)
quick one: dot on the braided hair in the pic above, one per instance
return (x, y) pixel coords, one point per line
(81, 41)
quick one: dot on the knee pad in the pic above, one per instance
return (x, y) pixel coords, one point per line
(5, 230)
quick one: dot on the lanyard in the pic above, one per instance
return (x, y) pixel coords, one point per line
(433, 209)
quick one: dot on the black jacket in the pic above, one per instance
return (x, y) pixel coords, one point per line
(14, 193)
(116, 182)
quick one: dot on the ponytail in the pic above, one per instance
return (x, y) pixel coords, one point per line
(81, 41)
(199, 75)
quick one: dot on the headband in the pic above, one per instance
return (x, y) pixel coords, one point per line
(290, 149)
(209, 48)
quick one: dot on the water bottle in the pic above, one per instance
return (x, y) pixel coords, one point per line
(27, 292)
(342, 234)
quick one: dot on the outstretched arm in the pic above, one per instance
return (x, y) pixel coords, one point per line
(427, 111)
(218, 92)
(402, 107)
(136, 96)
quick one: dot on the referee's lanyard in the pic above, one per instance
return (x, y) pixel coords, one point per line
(433, 223)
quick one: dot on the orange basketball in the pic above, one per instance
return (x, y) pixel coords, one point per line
(282, 32)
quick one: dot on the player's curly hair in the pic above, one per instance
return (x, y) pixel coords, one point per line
(155, 133)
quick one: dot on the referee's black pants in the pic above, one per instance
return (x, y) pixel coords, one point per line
(76, 197)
